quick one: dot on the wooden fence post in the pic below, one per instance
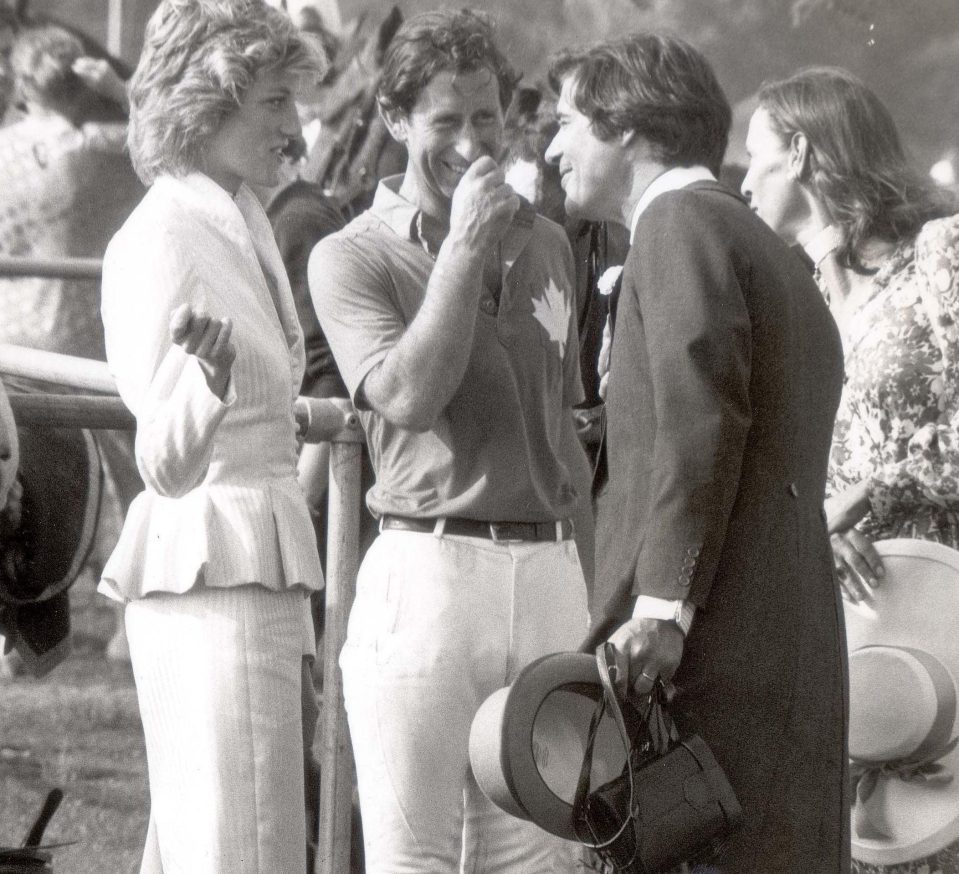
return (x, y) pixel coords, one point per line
(336, 778)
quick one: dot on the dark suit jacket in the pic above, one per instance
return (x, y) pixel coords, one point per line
(725, 377)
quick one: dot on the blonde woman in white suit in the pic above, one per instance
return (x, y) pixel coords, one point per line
(217, 555)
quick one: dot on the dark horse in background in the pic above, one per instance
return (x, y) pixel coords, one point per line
(354, 150)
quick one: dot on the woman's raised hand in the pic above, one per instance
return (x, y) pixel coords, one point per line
(207, 338)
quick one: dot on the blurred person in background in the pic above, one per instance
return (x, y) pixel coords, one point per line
(66, 185)
(217, 555)
(827, 170)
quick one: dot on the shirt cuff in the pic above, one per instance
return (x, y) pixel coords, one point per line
(680, 612)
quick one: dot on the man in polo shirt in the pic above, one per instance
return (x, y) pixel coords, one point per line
(449, 307)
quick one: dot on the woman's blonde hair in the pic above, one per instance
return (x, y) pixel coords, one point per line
(199, 58)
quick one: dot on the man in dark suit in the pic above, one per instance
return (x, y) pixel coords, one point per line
(713, 564)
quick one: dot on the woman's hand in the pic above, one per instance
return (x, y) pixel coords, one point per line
(301, 420)
(857, 563)
(207, 338)
(846, 510)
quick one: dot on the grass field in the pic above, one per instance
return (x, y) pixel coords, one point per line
(77, 728)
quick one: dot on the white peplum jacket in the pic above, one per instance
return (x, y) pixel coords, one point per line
(222, 506)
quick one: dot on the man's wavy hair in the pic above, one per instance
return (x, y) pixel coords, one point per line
(856, 165)
(437, 42)
(199, 59)
(656, 85)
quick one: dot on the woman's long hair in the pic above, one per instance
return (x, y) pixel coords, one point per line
(856, 162)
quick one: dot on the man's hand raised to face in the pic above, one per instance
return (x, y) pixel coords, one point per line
(483, 205)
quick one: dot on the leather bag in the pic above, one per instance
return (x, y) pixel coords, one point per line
(672, 803)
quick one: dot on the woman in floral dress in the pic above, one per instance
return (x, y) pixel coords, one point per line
(827, 171)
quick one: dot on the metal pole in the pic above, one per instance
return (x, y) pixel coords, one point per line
(328, 418)
(336, 779)
(71, 411)
(50, 268)
(115, 28)
(84, 374)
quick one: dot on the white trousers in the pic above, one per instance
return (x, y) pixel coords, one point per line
(218, 675)
(440, 623)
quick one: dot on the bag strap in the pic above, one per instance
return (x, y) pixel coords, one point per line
(604, 652)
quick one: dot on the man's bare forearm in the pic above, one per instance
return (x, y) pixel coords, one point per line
(413, 384)
(421, 373)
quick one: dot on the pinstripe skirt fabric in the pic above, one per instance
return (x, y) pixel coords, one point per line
(218, 676)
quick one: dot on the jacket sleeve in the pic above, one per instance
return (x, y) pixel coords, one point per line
(698, 335)
(930, 469)
(177, 415)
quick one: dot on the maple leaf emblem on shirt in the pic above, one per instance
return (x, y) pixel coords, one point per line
(553, 312)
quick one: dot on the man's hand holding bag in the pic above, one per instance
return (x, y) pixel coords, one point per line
(672, 802)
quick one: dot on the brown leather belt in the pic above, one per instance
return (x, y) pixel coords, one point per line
(495, 531)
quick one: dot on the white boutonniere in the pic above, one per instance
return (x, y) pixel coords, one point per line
(607, 281)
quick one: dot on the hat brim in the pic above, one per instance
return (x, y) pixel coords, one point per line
(62, 483)
(527, 741)
(914, 606)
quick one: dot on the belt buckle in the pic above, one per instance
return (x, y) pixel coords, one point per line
(496, 530)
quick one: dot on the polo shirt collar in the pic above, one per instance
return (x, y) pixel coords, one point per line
(402, 217)
(394, 210)
(672, 180)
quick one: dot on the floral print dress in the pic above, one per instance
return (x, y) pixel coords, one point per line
(898, 421)
(897, 426)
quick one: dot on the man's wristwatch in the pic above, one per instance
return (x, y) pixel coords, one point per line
(681, 612)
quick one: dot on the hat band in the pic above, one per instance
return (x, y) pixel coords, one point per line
(920, 766)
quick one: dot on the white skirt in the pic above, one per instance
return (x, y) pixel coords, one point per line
(218, 677)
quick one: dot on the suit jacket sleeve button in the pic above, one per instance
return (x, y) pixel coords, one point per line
(793, 490)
